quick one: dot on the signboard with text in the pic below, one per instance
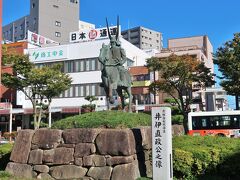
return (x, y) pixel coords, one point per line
(45, 54)
(86, 35)
(39, 40)
(162, 143)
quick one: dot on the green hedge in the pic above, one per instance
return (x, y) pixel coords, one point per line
(106, 119)
(202, 157)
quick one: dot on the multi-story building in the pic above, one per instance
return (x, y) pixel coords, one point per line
(212, 99)
(143, 38)
(196, 46)
(52, 19)
(80, 61)
(142, 78)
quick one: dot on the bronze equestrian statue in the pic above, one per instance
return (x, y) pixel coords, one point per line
(114, 75)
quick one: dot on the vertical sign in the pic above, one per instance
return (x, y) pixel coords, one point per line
(162, 143)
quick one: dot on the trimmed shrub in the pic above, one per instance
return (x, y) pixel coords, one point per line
(177, 119)
(204, 157)
(182, 163)
(104, 119)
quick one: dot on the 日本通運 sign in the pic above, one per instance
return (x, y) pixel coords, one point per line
(162, 143)
(92, 34)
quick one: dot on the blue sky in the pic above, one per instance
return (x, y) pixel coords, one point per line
(218, 19)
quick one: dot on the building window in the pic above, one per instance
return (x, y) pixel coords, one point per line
(157, 41)
(33, 5)
(21, 27)
(69, 92)
(34, 21)
(93, 65)
(57, 34)
(74, 1)
(58, 23)
(69, 66)
(78, 66)
(87, 65)
(55, 6)
(27, 24)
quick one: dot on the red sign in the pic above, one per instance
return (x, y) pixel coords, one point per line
(93, 34)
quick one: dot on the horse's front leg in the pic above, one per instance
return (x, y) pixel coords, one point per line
(110, 94)
(120, 94)
(128, 90)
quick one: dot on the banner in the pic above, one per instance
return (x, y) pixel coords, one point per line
(39, 40)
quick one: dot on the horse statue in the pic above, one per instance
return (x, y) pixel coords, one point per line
(114, 75)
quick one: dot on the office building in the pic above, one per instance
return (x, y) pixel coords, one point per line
(212, 99)
(196, 46)
(52, 19)
(80, 61)
(143, 38)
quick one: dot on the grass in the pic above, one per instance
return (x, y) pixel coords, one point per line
(5, 151)
(5, 148)
(104, 119)
(7, 176)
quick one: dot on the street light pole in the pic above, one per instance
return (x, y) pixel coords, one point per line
(10, 122)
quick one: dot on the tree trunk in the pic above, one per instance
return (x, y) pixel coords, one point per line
(237, 103)
(39, 118)
(35, 116)
(185, 122)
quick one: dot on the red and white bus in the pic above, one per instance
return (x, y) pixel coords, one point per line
(215, 123)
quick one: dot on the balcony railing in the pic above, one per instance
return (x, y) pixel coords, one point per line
(183, 48)
(141, 83)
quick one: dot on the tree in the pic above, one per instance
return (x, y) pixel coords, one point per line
(50, 82)
(90, 106)
(178, 75)
(227, 57)
(36, 84)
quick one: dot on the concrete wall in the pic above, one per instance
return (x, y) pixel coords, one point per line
(65, 12)
(82, 154)
(143, 38)
(188, 41)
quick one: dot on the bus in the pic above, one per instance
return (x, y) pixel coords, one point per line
(214, 123)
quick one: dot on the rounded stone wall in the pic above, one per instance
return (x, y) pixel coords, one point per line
(114, 154)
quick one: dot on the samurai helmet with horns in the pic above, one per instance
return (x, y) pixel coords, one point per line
(112, 38)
